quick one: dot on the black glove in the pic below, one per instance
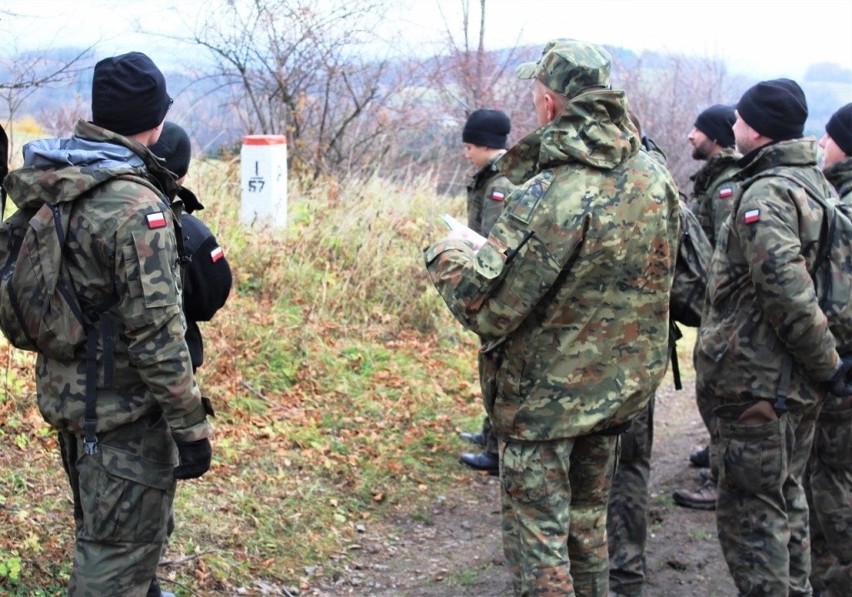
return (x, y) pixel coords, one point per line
(194, 459)
(838, 384)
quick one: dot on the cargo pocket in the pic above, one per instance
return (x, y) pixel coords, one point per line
(833, 438)
(125, 497)
(751, 457)
(522, 474)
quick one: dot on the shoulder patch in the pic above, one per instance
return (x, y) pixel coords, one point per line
(531, 196)
(725, 192)
(216, 254)
(497, 196)
(751, 216)
(156, 220)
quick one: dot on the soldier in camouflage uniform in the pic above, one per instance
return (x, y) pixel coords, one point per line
(765, 351)
(713, 187)
(830, 481)
(151, 423)
(714, 190)
(484, 136)
(570, 294)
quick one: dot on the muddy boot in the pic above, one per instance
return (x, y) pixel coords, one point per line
(702, 499)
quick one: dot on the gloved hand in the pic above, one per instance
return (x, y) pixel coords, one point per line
(838, 384)
(194, 459)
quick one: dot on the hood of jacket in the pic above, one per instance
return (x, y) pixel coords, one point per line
(59, 170)
(593, 128)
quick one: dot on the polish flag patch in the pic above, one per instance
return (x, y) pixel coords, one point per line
(156, 220)
(216, 254)
(497, 196)
(725, 193)
(751, 216)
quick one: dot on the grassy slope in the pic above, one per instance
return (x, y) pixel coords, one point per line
(339, 380)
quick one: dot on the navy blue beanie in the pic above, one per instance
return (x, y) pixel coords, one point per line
(488, 128)
(129, 94)
(776, 109)
(174, 148)
(717, 123)
(839, 128)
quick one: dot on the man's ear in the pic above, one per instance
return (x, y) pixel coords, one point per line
(550, 105)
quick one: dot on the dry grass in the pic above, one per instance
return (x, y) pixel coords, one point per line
(339, 379)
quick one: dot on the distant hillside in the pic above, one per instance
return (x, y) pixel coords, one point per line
(202, 104)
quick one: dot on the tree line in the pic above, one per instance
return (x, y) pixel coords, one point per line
(347, 103)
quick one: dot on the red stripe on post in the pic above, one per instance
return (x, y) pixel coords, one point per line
(264, 140)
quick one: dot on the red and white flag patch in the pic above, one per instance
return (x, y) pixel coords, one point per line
(725, 193)
(751, 216)
(497, 196)
(156, 220)
(216, 254)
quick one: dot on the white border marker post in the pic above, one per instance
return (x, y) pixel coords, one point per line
(263, 169)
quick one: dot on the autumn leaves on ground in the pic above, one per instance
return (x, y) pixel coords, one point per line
(339, 379)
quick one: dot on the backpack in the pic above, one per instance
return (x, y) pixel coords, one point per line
(689, 285)
(832, 271)
(694, 252)
(39, 306)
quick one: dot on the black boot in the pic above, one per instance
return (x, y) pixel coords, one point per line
(483, 461)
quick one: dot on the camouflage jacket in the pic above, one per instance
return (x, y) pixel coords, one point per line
(486, 195)
(763, 335)
(840, 177)
(571, 290)
(714, 190)
(122, 238)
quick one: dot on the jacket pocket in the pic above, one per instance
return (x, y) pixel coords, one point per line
(490, 359)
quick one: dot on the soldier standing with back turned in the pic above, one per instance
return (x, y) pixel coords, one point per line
(570, 292)
(150, 422)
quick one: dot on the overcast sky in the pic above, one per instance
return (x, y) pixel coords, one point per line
(763, 38)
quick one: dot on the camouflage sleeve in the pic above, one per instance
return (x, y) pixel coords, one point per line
(723, 194)
(152, 317)
(492, 291)
(768, 225)
(492, 203)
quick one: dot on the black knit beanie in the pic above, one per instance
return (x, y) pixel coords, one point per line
(776, 109)
(174, 147)
(717, 123)
(488, 128)
(839, 128)
(129, 94)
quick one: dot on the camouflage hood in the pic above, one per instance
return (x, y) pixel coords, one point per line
(799, 152)
(59, 170)
(593, 129)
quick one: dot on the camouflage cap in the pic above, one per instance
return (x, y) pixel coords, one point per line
(568, 66)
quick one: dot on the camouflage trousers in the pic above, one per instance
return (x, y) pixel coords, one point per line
(829, 492)
(706, 404)
(554, 500)
(627, 513)
(491, 442)
(761, 510)
(123, 499)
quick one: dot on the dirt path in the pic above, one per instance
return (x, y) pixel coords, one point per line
(454, 548)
